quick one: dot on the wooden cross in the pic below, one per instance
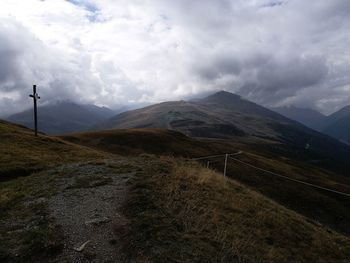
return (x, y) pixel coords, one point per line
(35, 97)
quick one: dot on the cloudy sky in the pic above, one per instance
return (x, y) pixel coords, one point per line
(113, 52)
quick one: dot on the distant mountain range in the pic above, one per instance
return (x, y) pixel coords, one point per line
(336, 125)
(308, 117)
(226, 115)
(63, 117)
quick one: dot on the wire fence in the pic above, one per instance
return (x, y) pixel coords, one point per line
(229, 156)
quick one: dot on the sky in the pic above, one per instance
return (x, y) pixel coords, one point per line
(117, 52)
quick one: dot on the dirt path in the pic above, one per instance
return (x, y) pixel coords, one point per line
(87, 210)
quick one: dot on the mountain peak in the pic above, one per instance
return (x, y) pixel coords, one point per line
(223, 93)
(221, 97)
(343, 111)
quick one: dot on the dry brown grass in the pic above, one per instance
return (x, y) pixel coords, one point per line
(328, 208)
(190, 214)
(138, 141)
(179, 212)
(21, 153)
(332, 210)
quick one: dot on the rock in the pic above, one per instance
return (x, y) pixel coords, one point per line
(81, 248)
(97, 221)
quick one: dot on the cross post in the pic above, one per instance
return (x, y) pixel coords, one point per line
(35, 97)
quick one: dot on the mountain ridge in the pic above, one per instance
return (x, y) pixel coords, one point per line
(63, 117)
(336, 125)
(308, 117)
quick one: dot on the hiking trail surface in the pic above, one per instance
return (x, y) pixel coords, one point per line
(87, 209)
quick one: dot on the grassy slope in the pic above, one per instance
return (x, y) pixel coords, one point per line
(196, 215)
(177, 211)
(25, 184)
(21, 153)
(330, 209)
(136, 141)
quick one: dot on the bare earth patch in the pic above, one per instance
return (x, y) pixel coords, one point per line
(72, 213)
(88, 210)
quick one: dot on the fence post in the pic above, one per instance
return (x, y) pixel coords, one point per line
(226, 156)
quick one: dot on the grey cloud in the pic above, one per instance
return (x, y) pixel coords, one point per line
(295, 50)
(295, 73)
(273, 52)
(218, 66)
(10, 52)
(25, 61)
(265, 77)
(15, 44)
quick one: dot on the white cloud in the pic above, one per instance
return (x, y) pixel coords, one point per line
(114, 52)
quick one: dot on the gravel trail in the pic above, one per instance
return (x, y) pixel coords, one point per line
(87, 209)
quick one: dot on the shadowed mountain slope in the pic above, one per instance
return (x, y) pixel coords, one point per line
(63, 117)
(310, 118)
(338, 125)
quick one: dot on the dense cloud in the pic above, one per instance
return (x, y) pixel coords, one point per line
(117, 52)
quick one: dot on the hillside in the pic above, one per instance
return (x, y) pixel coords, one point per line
(310, 118)
(21, 153)
(140, 208)
(267, 154)
(228, 116)
(63, 117)
(196, 215)
(137, 141)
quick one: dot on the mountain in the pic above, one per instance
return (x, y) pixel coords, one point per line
(221, 115)
(63, 117)
(228, 116)
(338, 125)
(310, 118)
(342, 113)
